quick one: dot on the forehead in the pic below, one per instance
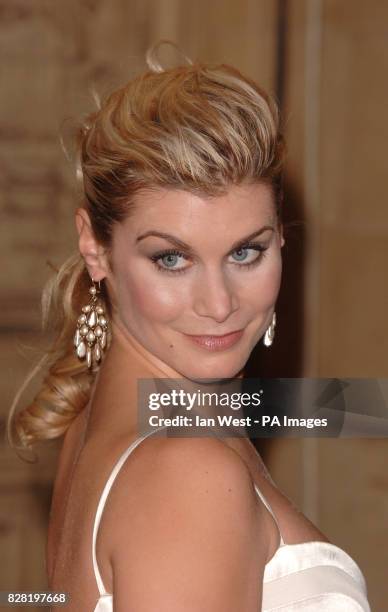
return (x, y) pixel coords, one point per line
(175, 210)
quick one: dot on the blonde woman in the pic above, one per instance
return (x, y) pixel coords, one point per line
(177, 276)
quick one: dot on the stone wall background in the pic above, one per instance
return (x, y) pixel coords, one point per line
(334, 296)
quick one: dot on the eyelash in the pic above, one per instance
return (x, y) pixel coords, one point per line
(251, 245)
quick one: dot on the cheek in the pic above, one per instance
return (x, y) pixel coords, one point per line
(263, 290)
(151, 298)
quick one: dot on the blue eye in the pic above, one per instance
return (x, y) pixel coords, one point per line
(240, 254)
(248, 254)
(173, 261)
(167, 261)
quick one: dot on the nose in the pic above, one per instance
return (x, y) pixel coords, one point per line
(215, 296)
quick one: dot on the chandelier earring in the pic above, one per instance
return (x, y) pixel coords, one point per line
(90, 337)
(270, 333)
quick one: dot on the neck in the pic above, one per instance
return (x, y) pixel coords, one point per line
(131, 353)
(114, 403)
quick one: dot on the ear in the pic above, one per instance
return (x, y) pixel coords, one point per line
(92, 251)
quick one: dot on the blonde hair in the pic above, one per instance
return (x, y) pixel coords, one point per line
(197, 127)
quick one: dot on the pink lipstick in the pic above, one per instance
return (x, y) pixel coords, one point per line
(217, 343)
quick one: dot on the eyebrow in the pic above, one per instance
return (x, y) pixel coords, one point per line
(184, 246)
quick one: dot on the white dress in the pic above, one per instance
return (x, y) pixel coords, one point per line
(308, 577)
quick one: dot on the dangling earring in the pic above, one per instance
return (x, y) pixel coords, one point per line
(92, 328)
(270, 333)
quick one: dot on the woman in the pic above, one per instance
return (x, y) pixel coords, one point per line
(180, 241)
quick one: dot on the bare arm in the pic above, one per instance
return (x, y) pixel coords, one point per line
(190, 536)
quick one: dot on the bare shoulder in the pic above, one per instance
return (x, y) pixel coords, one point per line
(188, 467)
(186, 503)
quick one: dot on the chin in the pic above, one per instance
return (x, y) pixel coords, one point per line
(213, 373)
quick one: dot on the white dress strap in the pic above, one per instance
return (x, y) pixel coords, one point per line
(266, 504)
(103, 498)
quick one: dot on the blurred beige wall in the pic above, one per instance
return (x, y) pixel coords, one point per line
(334, 295)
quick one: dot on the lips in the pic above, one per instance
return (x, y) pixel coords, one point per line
(217, 343)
